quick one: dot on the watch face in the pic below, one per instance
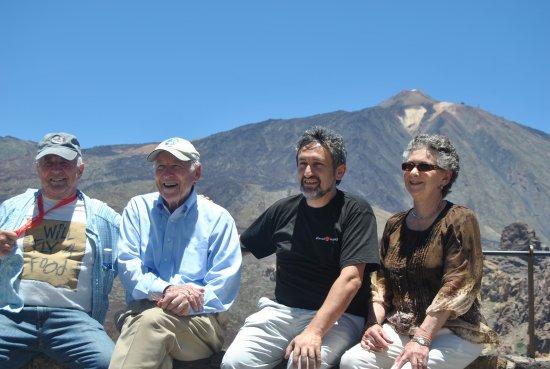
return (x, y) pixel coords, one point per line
(421, 341)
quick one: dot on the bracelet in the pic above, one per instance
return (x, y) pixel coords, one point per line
(421, 341)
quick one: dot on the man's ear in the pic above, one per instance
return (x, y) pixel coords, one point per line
(340, 171)
(198, 171)
(80, 170)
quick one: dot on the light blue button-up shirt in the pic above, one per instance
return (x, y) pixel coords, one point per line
(197, 243)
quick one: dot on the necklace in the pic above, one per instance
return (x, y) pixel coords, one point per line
(437, 210)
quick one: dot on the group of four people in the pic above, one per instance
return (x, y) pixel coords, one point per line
(413, 302)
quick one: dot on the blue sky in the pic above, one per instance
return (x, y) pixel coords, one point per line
(141, 71)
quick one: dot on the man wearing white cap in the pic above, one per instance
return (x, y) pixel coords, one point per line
(180, 265)
(57, 251)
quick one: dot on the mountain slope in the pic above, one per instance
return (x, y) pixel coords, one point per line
(505, 170)
(505, 174)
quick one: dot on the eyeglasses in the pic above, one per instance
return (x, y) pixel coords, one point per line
(422, 167)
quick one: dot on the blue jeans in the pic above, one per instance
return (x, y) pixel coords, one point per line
(69, 336)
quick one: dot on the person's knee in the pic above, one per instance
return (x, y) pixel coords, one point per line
(230, 360)
(354, 358)
(95, 355)
(234, 358)
(153, 319)
(347, 361)
(96, 360)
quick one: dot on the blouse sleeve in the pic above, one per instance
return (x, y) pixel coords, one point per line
(463, 266)
(380, 291)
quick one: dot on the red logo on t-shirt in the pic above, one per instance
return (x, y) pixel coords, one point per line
(327, 239)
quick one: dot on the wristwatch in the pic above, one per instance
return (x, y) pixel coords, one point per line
(421, 341)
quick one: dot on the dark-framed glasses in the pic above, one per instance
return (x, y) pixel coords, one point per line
(421, 167)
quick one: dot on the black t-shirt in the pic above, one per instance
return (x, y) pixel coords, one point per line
(313, 245)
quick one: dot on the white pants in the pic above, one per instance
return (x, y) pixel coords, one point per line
(262, 341)
(447, 351)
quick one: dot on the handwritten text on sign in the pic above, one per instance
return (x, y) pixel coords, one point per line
(53, 253)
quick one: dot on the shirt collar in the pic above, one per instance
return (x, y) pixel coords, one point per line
(79, 194)
(184, 208)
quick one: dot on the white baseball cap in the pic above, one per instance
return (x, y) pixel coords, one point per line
(179, 147)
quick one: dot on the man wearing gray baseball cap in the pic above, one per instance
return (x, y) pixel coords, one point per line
(179, 262)
(57, 257)
(61, 144)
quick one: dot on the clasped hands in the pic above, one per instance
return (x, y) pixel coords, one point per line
(177, 299)
(375, 339)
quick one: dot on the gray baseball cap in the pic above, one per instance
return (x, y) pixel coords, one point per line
(59, 143)
(179, 147)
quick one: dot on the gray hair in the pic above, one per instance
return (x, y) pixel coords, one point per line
(194, 163)
(447, 157)
(327, 138)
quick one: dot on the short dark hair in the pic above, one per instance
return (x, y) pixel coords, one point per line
(327, 138)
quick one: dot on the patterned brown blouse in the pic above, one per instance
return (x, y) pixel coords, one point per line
(433, 270)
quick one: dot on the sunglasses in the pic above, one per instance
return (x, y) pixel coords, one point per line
(422, 167)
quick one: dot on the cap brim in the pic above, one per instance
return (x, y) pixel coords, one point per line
(179, 155)
(64, 152)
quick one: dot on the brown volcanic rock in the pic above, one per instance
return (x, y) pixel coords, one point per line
(504, 302)
(518, 237)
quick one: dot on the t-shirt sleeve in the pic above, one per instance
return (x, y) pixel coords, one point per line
(463, 267)
(258, 238)
(359, 239)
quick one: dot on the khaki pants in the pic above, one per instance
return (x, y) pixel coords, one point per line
(150, 338)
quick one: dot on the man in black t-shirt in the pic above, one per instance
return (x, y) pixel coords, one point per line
(324, 239)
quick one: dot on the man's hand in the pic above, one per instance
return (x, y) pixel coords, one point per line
(7, 240)
(178, 298)
(375, 339)
(306, 349)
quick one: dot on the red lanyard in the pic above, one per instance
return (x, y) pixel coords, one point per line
(31, 223)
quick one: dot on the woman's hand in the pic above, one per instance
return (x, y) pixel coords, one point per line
(375, 339)
(414, 353)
